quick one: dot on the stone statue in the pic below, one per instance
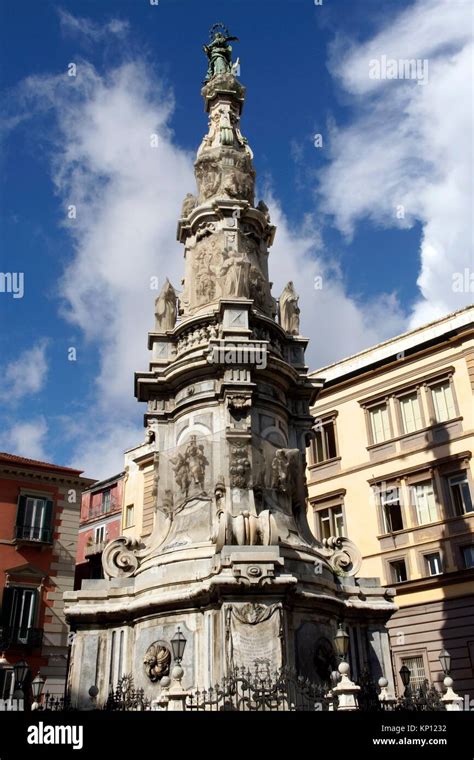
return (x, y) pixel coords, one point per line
(280, 466)
(196, 461)
(219, 52)
(189, 203)
(289, 310)
(181, 473)
(165, 308)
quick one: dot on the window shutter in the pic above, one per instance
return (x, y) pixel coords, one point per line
(48, 522)
(437, 403)
(20, 515)
(411, 413)
(449, 402)
(376, 425)
(7, 602)
(407, 413)
(443, 402)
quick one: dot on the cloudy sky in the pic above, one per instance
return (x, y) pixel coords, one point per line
(379, 206)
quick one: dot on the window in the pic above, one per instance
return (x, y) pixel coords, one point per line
(99, 534)
(416, 667)
(410, 413)
(460, 494)
(468, 555)
(399, 571)
(443, 402)
(129, 515)
(391, 510)
(323, 446)
(34, 519)
(424, 500)
(106, 501)
(330, 522)
(19, 612)
(379, 423)
(433, 563)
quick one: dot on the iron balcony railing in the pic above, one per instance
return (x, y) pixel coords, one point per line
(12, 637)
(114, 505)
(33, 533)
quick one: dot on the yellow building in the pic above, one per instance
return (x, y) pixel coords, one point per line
(391, 468)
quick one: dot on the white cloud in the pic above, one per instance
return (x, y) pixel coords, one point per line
(410, 145)
(337, 325)
(101, 455)
(89, 29)
(25, 375)
(128, 197)
(26, 439)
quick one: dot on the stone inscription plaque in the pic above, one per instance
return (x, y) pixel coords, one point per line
(254, 636)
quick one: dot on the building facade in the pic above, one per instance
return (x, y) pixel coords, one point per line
(39, 520)
(391, 467)
(100, 522)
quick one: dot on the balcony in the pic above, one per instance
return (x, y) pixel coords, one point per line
(15, 638)
(105, 508)
(33, 534)
(95, 548)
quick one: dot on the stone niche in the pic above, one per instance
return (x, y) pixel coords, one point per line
(315, 657)
(159, 632)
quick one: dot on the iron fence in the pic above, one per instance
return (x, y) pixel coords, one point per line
(254, 691)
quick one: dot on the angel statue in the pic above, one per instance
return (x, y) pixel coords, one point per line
(219, 52)
(289, 310)
(165, 308)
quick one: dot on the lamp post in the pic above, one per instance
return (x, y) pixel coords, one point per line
(178, 645)
(445, 660)
(37, 686)
(341, 642)
(386, 699)
(346, 691)
(176, 694)
(450, 699)
(20, 670)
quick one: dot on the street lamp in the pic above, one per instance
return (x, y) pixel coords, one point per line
(341, 642)
(178, 645)
(451, 700)
(20, 670)
(37, 686)
(445, 660)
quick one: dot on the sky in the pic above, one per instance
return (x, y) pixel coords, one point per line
(366, 167)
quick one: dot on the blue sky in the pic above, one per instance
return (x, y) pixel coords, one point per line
(84, 140)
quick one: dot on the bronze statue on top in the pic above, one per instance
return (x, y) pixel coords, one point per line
(219, 52)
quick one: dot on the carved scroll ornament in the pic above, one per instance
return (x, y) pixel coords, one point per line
(345, 558)
(119, 559)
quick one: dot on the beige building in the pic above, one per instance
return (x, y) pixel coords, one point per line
(391, 468)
